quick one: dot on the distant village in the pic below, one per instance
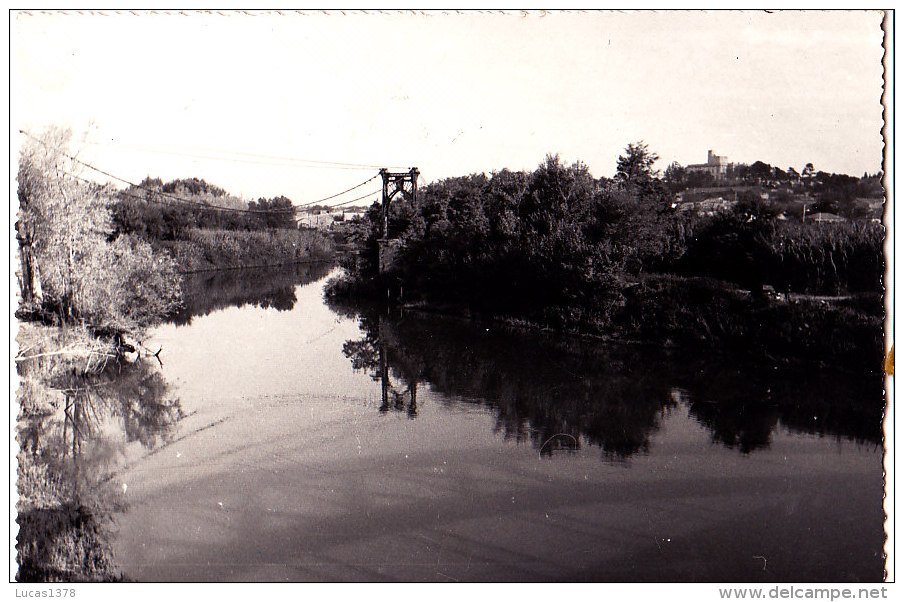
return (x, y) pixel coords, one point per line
(326, 218)
(808, 195)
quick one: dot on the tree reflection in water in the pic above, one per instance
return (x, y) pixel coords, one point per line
(371, 355)
(561, 393)
(204, 292)
(69, 453)
(102, 413)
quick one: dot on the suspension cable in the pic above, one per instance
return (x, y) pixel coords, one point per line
(179, 199)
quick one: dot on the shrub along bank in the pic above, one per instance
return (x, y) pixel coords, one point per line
(206, 249)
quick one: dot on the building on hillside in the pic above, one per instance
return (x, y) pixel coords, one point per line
(320, 220)
(716, 165)
(709, 206)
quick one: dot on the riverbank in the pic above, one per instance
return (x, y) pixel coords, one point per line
(695, 314)
(845, 333)
(208, 249)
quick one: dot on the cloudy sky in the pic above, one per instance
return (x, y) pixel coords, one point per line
(250, 103)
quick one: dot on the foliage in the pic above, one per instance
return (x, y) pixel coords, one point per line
(138, 286)
(204, 249)
(277, 212)
(167, 211)
(524, 244)
(558, 248)
(748, 246)
(176, 215)
(156, 210)
(193, 186)
(635, 167)
(696, 311)
(73, 264)
(554, 246)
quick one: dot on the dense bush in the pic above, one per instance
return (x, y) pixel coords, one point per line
(752, 248)
(552, 246)
(138, 287)
(72, 263)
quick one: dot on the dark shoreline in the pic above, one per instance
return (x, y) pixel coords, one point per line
(792, 351)
(259, 266)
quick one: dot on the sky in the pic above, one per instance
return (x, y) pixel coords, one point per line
(239, 100)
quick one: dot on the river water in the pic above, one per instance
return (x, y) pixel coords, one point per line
(335, 443)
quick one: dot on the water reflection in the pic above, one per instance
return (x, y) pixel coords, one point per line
(70, 450)
(561, 393)
(103, 412)
(205, 292)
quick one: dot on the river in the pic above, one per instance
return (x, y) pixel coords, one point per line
(330, 443)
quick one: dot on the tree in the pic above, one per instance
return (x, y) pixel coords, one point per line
(675, 177)
(808, 173)
(62, 219)
(70, 253)
(761, 173)
(635, 167)
(277, 212)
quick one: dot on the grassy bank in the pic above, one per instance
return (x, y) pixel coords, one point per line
(205, 249)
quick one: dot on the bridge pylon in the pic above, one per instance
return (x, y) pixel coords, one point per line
(394, 183)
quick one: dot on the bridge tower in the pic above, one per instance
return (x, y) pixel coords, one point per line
(394, 183)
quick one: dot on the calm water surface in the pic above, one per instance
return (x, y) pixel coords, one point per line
(341, 444)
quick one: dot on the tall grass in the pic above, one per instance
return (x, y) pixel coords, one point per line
(825, 259)
(210, 249)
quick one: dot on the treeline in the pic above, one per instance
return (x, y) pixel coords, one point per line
(559, 248)
(678, 178)
(167, 211)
